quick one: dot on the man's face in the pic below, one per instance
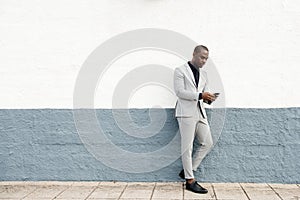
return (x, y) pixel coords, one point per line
(200, 58)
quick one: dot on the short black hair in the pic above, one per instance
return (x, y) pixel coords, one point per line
(199, 48)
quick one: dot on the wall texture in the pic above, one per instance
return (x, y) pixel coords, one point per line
(256, 145)
(254, 45)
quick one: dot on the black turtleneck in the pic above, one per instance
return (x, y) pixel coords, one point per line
(196, 76)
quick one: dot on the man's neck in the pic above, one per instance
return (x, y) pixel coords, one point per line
(191, 62)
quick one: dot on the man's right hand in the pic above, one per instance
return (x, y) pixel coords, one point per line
(208, 96)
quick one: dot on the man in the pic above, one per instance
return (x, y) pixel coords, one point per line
(191, 88)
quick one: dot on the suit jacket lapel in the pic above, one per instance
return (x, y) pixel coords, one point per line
(190, 74)
(200, 77)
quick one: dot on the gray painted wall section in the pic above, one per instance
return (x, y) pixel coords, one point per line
(256, 145)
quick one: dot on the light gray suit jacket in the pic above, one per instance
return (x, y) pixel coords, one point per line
(187, 91)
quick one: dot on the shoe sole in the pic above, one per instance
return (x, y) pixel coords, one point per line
(197, 192)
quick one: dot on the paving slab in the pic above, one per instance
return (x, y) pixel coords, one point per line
(86, 183)
(46, 192)
(138, 190)
(259, 191)
(229, 191)
(77, 192)
(289, 191)
(141, 185)
(168, 190)
(108, 190)
(50, 190)
(282, 186)
(15, 191)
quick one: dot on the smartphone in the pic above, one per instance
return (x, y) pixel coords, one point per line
(216, 94)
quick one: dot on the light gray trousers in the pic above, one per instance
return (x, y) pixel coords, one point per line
(191, 128)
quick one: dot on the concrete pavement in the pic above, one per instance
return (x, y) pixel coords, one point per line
(48, 190)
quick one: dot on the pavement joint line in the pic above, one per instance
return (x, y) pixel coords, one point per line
(92, 191)
(153, 191)
(183, 190)
(123, 191)
(275, 191)
(30, 192)
(214, 191)
(63, 190)
(244, 191)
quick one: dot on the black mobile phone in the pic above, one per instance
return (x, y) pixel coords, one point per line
(217, 94)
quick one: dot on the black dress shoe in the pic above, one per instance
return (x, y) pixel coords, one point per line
(195, 187)
(181, 174)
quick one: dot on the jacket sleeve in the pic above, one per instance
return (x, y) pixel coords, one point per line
(179, 88)
(206, 87)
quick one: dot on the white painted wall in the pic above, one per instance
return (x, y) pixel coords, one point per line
(254, 44)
